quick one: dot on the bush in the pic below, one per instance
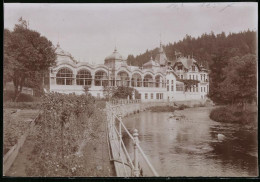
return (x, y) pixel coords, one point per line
(233, 114)
(223, 114)
(182, 107)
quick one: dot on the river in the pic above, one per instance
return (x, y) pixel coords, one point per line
(190, 146)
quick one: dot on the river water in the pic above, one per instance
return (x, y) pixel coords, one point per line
(190, 146)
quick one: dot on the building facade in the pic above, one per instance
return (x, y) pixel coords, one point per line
(156, 80)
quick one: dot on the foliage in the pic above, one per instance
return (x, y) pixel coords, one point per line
(66, 120)
(120, 92)
(235, 81)
(27, 55)
(182, 107)
(204, 47)
(229, 114)
(108, 91)
(123, 92)
(224, 55)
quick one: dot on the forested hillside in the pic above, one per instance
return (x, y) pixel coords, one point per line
(231, 60)
(204, 48)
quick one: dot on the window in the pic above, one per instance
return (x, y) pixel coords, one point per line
(196, 77)
(193, 77)
(101, 78)
(190, 77)
(182, 77)
(157, 96)
(201, 89)
(193, 68)
(207, 88)
(148, 81)
(200, 77)
(136, 80)
(146, 95)
(179, 67)
(64, 77)
(172, 82)
(167, 81)
(161, 96)
(204, 89)
(179, 87)
(151, 96)
(122, 79)
(167, 87)
(158, 81)
(172, 87)
(83, 77)
(193, 89)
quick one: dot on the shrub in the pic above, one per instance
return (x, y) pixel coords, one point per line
(182, 107)
(225, 114)
(66, 121)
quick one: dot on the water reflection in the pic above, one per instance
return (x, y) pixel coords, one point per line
(190, 147)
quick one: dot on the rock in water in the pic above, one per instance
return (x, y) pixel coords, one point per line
(221, 137)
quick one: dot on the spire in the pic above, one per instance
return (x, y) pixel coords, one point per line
(115, 49)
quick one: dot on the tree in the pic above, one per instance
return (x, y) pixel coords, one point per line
(247, 81)
(26, 53)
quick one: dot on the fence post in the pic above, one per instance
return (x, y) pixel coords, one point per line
(120, 133)
(136, 169)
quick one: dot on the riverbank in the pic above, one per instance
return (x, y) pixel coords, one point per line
(229, 114)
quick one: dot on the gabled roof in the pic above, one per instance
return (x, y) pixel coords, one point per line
(187, 62)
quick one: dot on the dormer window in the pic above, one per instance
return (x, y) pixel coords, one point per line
(193, 68)
(179, 67)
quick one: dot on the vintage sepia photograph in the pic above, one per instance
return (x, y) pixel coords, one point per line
(130, 90)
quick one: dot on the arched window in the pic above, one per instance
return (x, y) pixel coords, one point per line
(136, 80)
(158, 81)
(122, 79)
(64, 76)
(101, 78)
(84, 77)
(148, 81)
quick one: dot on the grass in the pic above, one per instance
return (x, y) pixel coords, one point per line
(167, 108)
(162, 109)
(22, 105)
(9, 95)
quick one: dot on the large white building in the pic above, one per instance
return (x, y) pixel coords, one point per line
(156, 80)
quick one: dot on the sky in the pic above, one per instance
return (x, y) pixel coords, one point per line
(90, 32)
